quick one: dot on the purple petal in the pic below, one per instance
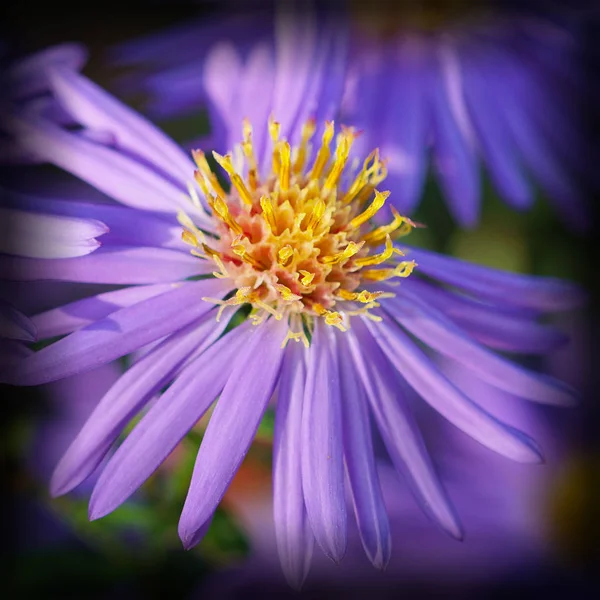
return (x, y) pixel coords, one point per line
(72, 316)
(70, 403)
(439, 333)
(256, 86)
(487, 323)
(369, 508)
(115, 265)
(111, 172)
(233, 424)
(128, 226)
(30, 75)
(295, 541)
(15, 325)
(444, 397)
(122, 332)
(47, 236)
(544, 293)
(455, 159)
(222, 72)
(406, 138)
(97, 109)
(169, 419)
(296, 43)
(400, 431)
(322, 445)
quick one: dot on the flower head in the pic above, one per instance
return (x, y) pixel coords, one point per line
(292, 239)
(296, 243)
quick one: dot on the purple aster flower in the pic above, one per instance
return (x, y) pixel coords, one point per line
(330, 335)
(483, 85)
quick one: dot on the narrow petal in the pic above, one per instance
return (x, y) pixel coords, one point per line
(127, 226)
(47, 236)
(15, 325)
(322, 444)
(108, 170)
(455, 158)
(233, 424)
(115, 265)
(72, 316)
(439, 333)
(495, 143)
(295, 541)
(369, 508)
(543, 293)
(29, 76)
(406, 138)
(97, 109)
(444, 397)
(400, 431)
(296, 43)
(222, 73)
(122, 332)
(167, 421)
(489, 324)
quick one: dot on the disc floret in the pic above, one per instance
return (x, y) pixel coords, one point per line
(297, 242)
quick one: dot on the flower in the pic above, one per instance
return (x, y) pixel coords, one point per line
(483, 85)
(290, 244)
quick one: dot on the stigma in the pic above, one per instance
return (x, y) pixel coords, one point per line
(294, 233)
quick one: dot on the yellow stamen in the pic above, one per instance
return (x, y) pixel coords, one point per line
(268, 213)
(306, 277)
(316, 215)
(286, 293)
(378, 235)
(221, 209)
(243, 254)
(297, 337)
(371, 211)
(284, 169)
(324, 152)
(377, 259)
(350, 250)
(236, 180)
(343, 149)
(284, 255)
(202, 163)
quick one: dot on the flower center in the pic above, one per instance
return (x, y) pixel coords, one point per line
(298, 242)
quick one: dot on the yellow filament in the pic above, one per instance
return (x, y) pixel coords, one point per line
(343, 149)
(316, 215)
(297, 337)
(284, 255)
(286, 293)
(379, 234)
(284, 170)
(243, 254)
(371, 211)
(377, 259)
(268, 214)
(201, 162)
(324, 152)
(236, 180)
(306, 277)
(350, 250)
(221, 209)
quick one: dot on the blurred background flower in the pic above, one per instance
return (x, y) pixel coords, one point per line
(546, 548)
(491, 88)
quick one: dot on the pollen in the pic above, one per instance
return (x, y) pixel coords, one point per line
(297, 241)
